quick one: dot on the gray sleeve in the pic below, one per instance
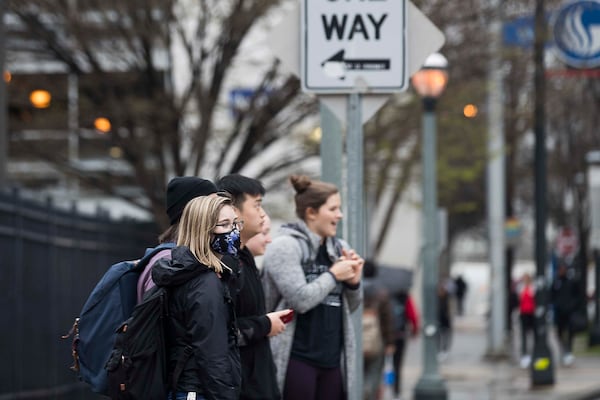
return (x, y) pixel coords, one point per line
(353, 297)
(282, 267)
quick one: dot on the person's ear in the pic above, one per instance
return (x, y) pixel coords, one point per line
(311, 214)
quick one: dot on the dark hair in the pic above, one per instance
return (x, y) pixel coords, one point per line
(369, 269)
(310, 193)
(169, 234)
(238, 186)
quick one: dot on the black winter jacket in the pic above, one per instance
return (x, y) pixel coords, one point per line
(258, 369)
(201, 316)
(565, 295)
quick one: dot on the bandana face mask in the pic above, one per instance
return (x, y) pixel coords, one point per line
(226, 243)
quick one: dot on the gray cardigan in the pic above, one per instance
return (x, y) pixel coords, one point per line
(285, 286)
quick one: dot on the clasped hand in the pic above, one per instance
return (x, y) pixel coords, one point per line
(348, 268)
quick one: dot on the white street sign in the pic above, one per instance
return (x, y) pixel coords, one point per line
(353, 46)
(423, 38)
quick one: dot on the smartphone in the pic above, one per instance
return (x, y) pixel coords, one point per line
(288, 317)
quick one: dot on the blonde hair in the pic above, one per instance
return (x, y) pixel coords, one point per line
(200, 216)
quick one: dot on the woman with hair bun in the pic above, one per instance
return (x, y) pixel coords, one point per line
(306, 268)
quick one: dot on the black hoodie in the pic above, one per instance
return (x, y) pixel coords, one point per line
(201, 316)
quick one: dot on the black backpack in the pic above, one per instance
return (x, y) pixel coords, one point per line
(138, 365)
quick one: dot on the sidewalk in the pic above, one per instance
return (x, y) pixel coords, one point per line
(469, 376)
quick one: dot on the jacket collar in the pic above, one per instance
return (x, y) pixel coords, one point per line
(300, 230)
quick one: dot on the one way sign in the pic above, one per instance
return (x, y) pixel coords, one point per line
(350, 45)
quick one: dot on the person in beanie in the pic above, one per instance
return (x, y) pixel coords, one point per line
(180, 190)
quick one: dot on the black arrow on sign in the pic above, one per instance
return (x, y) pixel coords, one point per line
(364, 64)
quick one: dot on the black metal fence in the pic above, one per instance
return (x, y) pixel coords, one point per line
(50, 259)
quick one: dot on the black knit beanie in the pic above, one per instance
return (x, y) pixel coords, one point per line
(181, 190)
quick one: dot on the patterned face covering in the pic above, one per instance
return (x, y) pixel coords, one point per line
(226, 243)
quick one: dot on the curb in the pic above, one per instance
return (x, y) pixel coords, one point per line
(592, 394)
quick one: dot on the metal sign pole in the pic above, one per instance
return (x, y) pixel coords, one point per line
(355, 214)
(542, 367)
(331, 149)
(3, 89)
(496, 192)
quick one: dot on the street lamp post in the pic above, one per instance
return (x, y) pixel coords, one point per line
(429, 83)
(542, 366)
(593, 191)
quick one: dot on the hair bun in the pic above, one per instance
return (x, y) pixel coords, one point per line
(300, 182)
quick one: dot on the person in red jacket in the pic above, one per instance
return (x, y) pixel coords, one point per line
(406, 326)
(526, 293)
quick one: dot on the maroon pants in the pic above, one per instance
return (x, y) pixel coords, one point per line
(305, 382)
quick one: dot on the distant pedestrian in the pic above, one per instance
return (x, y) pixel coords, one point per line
(565, 299)
(378, 331)
(461, 288)
(444, 320)
(406, 326)
(526, 296)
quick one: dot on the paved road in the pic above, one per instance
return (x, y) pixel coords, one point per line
(469, 376)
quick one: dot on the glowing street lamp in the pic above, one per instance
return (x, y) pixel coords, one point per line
(429, 83)
(40, 98)
(431, 80)
(102, 124)
(470, 111)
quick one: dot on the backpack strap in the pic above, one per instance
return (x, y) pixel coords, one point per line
(151, 252)
(183, 358)
(338, 246)
(187, 353)
(309, 254)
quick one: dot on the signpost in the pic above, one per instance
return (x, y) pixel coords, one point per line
(350, 46)
(352, 54)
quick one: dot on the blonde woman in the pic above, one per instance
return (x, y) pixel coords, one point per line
(202, 319)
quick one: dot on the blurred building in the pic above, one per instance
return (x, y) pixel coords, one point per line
(59, 143)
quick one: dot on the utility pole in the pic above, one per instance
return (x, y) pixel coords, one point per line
(542, 368)
(3, 123)
(496, 188)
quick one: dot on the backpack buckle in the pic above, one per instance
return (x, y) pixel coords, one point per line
(74, 331)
